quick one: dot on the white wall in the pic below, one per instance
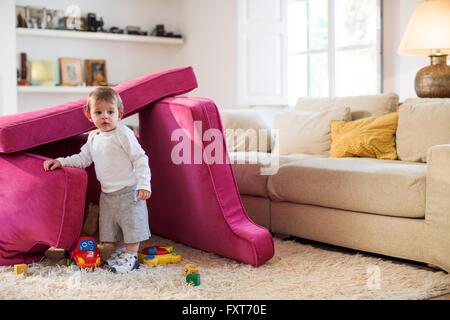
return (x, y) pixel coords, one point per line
(399, 71)
(8, 76)
(211, 48)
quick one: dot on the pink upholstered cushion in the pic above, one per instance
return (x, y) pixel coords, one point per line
(197, 204)
(38, 209)
(68, 147)
(29, 129)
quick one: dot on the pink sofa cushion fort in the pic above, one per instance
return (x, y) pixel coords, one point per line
(29, 129)
(197, 204)
(39, 209)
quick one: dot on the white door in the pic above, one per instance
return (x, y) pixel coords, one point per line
(262, 52)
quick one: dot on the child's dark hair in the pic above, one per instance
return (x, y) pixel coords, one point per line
(103, 94)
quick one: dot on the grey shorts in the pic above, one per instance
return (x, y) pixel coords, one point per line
(123, 217)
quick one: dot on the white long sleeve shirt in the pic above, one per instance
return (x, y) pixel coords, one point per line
(119, 159)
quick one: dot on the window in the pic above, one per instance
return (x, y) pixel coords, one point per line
(334, 48)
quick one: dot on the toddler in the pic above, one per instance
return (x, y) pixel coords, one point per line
(121, 166)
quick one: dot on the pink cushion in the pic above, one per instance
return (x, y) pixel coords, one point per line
(29, 129)
(68, 147)
(197, 204)
(39, 209)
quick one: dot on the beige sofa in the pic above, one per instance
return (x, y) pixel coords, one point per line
(398, 208)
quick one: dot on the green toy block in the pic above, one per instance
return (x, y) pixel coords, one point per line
(193, 279)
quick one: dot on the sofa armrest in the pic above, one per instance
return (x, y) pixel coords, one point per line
(437, 207)
(438, 185)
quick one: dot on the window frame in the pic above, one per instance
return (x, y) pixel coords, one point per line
(333, 49)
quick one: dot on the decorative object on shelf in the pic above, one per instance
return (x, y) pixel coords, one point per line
(36, 17)
(55, 19)
(92, 24)
(136, 31)
(21, 17)
(116, 30)
(73, 19)
(23, 81)
(71, 71)
(77, 24)
(160, 31)
(44, 73)
(96, 74)
(428, 34)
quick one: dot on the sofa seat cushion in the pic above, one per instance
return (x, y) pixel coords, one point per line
(386, 187)
(30, 129)
(248, 169)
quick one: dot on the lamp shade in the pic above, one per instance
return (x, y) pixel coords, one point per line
(428, 31)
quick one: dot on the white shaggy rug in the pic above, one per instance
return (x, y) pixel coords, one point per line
(297, 271)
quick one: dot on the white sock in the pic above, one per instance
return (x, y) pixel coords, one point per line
(121, 248)
(134, 253)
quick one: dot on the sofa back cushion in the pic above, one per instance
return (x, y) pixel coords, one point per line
(426, 100)
(372, 137)
(29, 129)
(361, 106)
(421, 125)
(306, 132)
(246, 130)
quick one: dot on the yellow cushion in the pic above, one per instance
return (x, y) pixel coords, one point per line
(372, 137)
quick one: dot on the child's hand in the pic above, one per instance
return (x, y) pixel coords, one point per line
(143, 194)
(51, 164)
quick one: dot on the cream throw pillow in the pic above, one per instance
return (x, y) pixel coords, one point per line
(421, 126)
(246, 130)
(361, 106)
(306, 132)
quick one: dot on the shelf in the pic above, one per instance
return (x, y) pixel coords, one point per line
(97, 36)
(57, 89)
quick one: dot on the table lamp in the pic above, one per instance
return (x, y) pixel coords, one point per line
(428, 34)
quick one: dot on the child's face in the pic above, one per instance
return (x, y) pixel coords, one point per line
(104, 114)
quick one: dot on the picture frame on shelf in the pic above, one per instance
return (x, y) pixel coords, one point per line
(21, 16)
(44, 73)
(55, 19)
(96, 73)
(37, 17)
(71, 71)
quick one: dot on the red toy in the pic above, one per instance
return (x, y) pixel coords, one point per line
(152, 250)
(86, 254)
